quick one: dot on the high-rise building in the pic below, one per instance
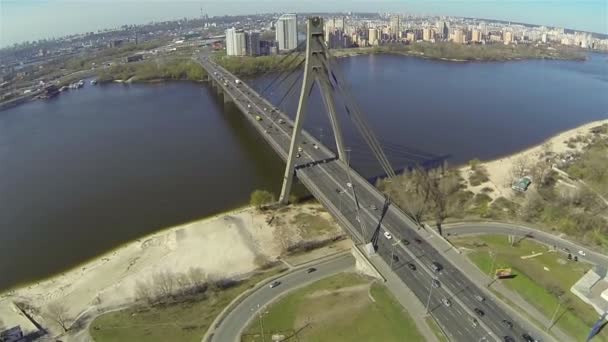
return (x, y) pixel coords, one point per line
(372, 36)
(476, 36)
(544, 38)
(395, 26)
(410, 36)
(287, 32)
(458, 36)
(508, 37)
(427, 34)
(236, 44)
(252, 42)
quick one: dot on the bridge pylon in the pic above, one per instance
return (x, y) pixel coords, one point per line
(317, 70)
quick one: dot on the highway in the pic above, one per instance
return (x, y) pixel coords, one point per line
(549, 239)
(233, 325)
(339, 188)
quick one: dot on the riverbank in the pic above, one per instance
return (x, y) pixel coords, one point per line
(500, 171)
(452, 52)
(226, 246)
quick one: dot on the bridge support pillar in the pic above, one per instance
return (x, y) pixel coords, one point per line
(362, 263)
(316, 70)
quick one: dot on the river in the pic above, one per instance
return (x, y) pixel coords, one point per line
(97, 167)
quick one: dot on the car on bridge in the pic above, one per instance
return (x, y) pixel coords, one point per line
(435, 283)
(479, 312)
(436, 266)
(388, 235)
(446, 302)
(274, 284)
(411, 266)
(507, 323)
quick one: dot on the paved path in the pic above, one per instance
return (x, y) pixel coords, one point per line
(519, 230)
(232, 326)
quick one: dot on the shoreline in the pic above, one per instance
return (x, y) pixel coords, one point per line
(499, 168)
(91, 260)
(226, 245)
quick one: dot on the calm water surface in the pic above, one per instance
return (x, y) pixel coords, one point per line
(96, 167)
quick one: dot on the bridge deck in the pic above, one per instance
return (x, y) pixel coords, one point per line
(327, 178)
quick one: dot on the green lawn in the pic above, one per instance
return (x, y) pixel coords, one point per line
(178, 322)
(536, 285)
(338, 308)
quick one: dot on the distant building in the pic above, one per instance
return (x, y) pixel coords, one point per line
(287, 32)
(395, 26)
(252, 43)
(476, 36)
(458, 36)
(410, 36)
(508, 37)
(544, 38)
(372, 36)
(236, 44)
(427, 34)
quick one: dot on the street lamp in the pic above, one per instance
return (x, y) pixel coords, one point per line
(393, 252)
(559, 303)
(428, 301)
(260, 313)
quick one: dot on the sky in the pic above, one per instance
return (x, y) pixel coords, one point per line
(22, 20)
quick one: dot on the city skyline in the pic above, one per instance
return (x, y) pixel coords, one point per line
(55, 18)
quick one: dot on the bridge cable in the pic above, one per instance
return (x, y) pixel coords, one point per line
(355, 114)
(288, 55)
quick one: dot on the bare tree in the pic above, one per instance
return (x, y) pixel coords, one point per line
(59, 313)
(164, 284)
(540, 171)
(520, 167)
(440, 188)
(197, 276)
(143, 292)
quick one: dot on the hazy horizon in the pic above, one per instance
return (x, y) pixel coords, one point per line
(27, 20)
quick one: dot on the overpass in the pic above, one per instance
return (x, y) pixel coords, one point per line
(362, 210)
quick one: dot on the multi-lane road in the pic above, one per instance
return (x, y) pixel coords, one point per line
(358, 207)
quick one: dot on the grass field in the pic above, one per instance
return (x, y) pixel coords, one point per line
(339, 308)
(534, 283)
(186, 321)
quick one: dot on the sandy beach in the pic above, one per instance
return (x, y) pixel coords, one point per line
(499, 170)
(227, 245)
